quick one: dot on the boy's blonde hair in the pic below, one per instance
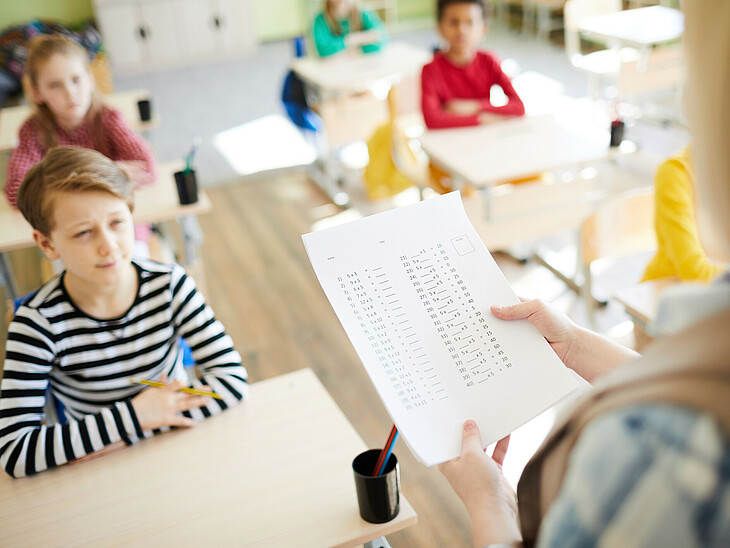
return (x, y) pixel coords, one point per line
(69, 169)
(40, 50)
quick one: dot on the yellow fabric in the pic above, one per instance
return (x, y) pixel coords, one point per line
(381, 178)
(680, 253)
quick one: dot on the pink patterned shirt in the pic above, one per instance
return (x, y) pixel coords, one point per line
(124, 143)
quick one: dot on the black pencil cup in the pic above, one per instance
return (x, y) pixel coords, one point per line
(378, 497)
(617, 132)
(187, 186)
(145, 110)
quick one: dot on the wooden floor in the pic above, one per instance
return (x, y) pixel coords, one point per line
(265, 292)
(262, 287)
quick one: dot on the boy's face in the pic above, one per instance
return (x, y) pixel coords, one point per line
(65, 87)
(462, 26)
(93, 235)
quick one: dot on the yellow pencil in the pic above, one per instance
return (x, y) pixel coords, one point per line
(157, 384)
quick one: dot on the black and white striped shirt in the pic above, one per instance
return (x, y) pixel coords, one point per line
(87, 364)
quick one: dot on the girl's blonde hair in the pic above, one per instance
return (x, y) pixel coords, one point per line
(69, 169)
(40, 50)
(334, 25)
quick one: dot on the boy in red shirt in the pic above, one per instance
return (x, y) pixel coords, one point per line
(456, 85)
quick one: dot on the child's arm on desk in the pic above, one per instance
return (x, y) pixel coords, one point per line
(514, 105)
(129, 150)
(27, 446)
(218, 363)
(438, 113)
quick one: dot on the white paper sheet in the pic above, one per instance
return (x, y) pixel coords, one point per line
(412, 287)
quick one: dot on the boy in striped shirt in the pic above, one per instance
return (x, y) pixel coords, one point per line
(105, 318)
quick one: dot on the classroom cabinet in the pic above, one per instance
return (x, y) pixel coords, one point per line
(151, 34)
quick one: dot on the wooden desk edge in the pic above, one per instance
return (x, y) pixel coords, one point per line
(407, 515)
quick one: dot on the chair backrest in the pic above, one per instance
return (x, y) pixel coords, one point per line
(664, 69)
(575, 11)
(623, 226)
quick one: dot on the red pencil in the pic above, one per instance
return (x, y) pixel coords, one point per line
(385, 453)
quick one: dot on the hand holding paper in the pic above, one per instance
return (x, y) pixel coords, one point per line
(413, 287)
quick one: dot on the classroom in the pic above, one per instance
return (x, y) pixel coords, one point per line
(221, 218)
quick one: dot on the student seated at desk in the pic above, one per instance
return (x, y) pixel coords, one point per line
(67, 112)
(456, 86)
(343, 25)
(104, 319)
(680, 253)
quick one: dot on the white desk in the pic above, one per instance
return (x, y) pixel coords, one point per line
(486, 155)
(639, 28)
(355, 73)
(154, 203)
(274, 471)
(12, 118)
(338, 84)
(641, 302)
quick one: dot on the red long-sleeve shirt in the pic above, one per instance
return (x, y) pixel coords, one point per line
(442, 81)
(124, 142)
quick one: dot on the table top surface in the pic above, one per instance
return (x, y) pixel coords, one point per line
(11, 118)
(642, 300)
(638, 27)
(351, 73)
(273, 471)
(515, 148)
(153, 204)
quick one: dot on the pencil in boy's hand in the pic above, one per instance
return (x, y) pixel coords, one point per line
(195, 391)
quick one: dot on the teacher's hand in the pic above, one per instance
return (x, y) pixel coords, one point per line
(478, 481)
(559, 331)
(587, 353)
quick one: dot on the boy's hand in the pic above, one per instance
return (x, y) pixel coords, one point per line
(463, 107)
(159, 407)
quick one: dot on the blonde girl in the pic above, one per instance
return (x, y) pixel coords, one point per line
(66, 111)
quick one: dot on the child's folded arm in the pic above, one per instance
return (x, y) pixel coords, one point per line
(129, 145)
(434, 113)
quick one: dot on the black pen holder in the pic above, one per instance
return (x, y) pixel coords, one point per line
(617, 132)
(145, 110)
(187, 186)
(378, 497)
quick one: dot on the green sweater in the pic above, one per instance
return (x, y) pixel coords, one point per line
(328, 43)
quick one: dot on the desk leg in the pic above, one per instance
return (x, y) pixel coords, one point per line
(192, 238)
(381, 542)
(8, 278)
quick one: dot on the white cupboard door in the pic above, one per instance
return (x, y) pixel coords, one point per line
(199, 27)
(120, 27)
(162, 32)
(236, 29)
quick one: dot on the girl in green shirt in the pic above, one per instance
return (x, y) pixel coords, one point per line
(343, 25)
